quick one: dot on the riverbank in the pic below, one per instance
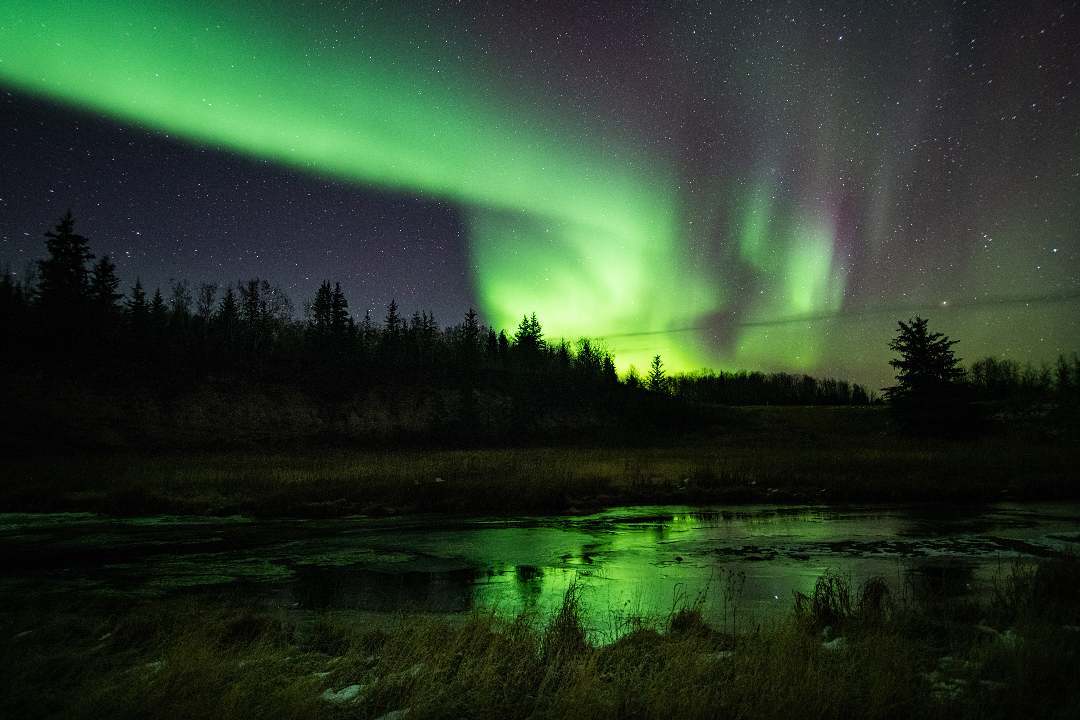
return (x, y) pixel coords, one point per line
(812, 454)
(841, 652)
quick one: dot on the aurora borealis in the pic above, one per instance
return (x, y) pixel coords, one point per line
(746, 185)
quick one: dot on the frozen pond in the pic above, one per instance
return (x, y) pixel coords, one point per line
(627, 561)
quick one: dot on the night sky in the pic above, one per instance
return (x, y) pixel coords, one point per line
(731, 184)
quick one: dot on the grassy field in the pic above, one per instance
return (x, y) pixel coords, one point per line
(764, 454)
(841, 653)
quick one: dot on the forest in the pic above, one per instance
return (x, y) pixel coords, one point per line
(176, 360)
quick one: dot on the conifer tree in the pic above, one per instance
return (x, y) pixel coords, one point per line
(159, 311)
(138, 311)
(927, 364)
(339, 311)
(63, 277)
(322, 309)
(392, 322)
(104, 285)
(656, 381)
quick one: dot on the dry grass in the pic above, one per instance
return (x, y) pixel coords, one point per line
(829, 461)
(843, 653)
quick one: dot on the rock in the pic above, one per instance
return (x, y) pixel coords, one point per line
(344, 695)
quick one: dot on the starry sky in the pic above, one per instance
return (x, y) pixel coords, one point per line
(731, 184)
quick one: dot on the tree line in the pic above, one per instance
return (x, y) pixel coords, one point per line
(73, 317)
(70, 320)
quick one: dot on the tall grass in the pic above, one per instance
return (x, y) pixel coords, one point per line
(881, 657)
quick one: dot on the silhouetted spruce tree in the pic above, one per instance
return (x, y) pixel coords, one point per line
(470, 330)
(251, 303)
(529, 337)
(322, 310)
(927, 366)
(929, 395)
(607, 371)
(63, 277)
(588, 364)
(339, 312)
(228, 312)
(392, 321)
(368, 332)
(563, 358)
(656, 381)
(104, 286)
(138, 311)
(504, 345)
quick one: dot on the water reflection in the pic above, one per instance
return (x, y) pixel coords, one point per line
(639, 561)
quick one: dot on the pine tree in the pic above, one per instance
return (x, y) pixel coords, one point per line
(471, 328)
(607, 370)
(251, 302)
(339, 311)
(927, 364)
(63, 281)
(228, 312)
(104, 285)
(392, 323)
(138, 311)
(529, 336)
(322, 309)
(159, 311)
(656, 381)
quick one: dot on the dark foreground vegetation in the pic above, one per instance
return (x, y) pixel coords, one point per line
(843, 652)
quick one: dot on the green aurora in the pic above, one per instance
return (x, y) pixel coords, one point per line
(583, 233)
(583, 236)
(584, 225)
